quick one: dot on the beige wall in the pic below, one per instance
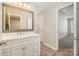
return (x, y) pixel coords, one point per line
(50, 25)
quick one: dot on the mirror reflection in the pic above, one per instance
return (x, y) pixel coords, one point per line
(15, 19)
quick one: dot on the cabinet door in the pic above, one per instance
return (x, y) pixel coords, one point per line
(6, 52)
(0, 51)
(37, 47)
(17, 51)
(28, 51)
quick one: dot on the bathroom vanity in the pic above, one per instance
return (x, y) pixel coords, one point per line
(17, 36)
(20, 45)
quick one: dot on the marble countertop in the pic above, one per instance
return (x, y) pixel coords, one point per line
(11, 37)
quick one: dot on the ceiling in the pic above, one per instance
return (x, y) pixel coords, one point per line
(68, 11)
(41, 6)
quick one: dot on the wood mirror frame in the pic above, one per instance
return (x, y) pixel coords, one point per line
(19, 29)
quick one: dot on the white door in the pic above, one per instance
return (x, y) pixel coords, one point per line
(41, 26)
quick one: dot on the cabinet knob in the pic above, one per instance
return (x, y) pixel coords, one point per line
(24, 48)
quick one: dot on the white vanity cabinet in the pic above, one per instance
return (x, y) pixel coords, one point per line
(27, 46)
(6, 52)
(5, 48)
(17, 51)
(37, 47)
(24, 48)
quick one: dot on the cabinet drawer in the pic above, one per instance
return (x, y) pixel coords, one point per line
(25, 42)
(18, 42)
(6, 44)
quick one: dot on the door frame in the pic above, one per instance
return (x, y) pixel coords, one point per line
(57, 16)
(41, 31)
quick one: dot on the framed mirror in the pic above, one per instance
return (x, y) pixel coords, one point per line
(17, 19)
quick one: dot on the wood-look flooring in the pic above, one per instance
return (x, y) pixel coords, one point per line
(66, 43)
(46, 51)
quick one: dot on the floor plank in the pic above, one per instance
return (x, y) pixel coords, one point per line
(46, 51)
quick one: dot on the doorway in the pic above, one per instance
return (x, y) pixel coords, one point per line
(66, 28)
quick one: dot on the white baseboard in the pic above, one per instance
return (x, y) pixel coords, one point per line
(53, 48)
